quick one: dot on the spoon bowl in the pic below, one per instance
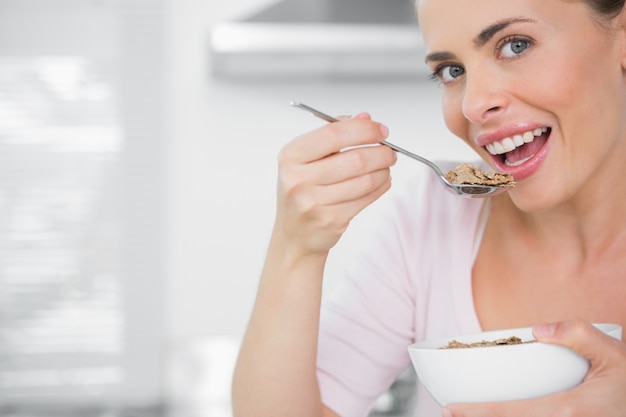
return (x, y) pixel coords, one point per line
(462, 190)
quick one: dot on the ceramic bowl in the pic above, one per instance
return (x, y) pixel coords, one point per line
(498, 373)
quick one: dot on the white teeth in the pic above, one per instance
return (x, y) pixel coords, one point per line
(529, 137)
(508, 144)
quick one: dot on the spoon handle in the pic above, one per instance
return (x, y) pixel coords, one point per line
(414, 156)
(396, 148)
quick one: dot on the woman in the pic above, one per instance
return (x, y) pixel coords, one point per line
(548, 253)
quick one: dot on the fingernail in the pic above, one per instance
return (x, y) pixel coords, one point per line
(544, 330)
(446, 413)
(361, 115)
(384, 130)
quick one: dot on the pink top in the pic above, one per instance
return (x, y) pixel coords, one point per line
(411, 282)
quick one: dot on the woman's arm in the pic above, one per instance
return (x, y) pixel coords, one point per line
(320, 190)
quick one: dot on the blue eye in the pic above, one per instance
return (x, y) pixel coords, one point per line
(447, 73)
(514, 47)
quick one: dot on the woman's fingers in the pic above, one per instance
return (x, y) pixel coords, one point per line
(327, 177)
(349, 174)
(581, 337)
(336, 179)
(354, 188)
(332, 138)
(361, 116)
(354, 206)
(353, 163)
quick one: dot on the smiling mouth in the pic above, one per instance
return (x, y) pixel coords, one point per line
(515, 150)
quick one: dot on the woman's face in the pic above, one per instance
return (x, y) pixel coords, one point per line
(536, 87)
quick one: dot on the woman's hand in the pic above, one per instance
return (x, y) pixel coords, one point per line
(322, 186)
(602, 393)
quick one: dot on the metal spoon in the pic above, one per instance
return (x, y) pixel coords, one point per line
(463, 190)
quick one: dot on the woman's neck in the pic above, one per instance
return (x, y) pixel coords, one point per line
(589, 225)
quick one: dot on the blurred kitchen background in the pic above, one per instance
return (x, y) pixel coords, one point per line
(138, 143)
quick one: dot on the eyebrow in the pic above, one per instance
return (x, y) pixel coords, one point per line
(483, 37)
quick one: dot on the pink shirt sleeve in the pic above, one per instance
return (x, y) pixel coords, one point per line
(385, 300)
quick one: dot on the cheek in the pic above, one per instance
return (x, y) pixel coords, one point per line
(453, 116)
(585, 77)
(549, 87)
(566, 94)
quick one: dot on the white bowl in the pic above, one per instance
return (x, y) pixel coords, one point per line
(499, 373)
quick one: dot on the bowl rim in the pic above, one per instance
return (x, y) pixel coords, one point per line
(525, 333)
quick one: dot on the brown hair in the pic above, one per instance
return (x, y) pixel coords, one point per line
(606, 8)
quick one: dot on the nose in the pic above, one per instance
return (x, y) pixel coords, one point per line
(484, 98)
